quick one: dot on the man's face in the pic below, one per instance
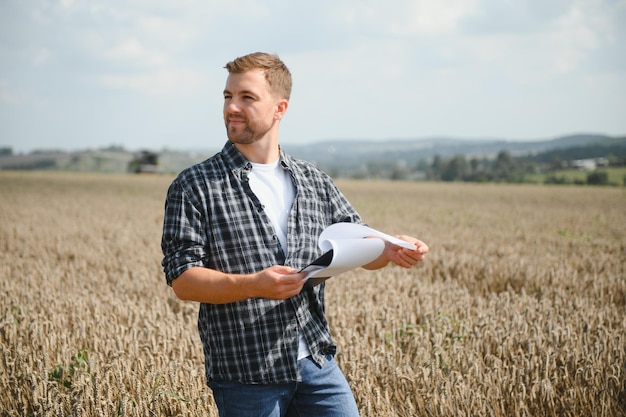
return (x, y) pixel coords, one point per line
(250, 107)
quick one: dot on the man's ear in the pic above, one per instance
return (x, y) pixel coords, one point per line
(281, 109)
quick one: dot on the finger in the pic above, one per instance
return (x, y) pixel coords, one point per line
(411, 257)
(287, 270)
(297, 276)
(291, 280)
(421, 247)
(402, 260)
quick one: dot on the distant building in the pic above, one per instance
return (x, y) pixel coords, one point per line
(589, 164)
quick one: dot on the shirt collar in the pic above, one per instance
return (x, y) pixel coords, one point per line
(238, 162)
(234, 158)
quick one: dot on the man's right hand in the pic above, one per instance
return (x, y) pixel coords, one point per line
(206, 285)
(278, 282)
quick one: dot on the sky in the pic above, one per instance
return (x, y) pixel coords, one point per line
(149, 74)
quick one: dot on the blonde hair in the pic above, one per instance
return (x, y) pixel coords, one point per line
(276, 72)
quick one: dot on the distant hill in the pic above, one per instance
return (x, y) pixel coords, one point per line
(348, 155)
(339, 156)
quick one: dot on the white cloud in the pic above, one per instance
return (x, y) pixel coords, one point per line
(562, 43)
(166, 30)
(581, 30)
(68, 3)
(403, 17)
(13, 97)
(41, 56)
(135, 53)
(438, 17)
(163, 82)
(399, 68)
(8, 96)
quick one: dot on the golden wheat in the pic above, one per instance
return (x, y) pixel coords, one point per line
(519, 309)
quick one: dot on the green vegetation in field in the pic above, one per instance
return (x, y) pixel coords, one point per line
(605, 176)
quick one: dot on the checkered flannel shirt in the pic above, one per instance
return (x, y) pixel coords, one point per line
(214, 220)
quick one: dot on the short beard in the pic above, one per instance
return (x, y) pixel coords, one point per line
(242, 138)
(250, 134)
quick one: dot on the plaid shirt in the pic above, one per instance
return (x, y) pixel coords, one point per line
(214, 220)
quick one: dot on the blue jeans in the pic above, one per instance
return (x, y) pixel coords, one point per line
(323, 392)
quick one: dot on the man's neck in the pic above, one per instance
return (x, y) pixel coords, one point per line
(261, 151)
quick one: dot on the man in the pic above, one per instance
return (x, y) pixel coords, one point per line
(238, 227)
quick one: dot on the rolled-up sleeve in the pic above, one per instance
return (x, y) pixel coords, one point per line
(183, 241)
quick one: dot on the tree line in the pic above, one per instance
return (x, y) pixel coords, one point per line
(548, 167)
(507, 168)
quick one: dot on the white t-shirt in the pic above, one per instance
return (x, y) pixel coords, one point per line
(273, 187)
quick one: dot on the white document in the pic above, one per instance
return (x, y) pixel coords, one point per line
(347, 246)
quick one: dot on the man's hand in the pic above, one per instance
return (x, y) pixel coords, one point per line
(403, 257)
(400, 256)
(278, 282)
(210, 286)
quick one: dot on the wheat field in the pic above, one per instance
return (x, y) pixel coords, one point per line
(519, 309)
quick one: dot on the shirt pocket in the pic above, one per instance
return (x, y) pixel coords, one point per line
(312, 216)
